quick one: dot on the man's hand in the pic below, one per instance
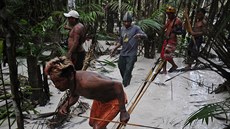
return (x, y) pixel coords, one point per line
(138, 36)
(67, 27)
(124, 116)
(63, 110)
(113, 51)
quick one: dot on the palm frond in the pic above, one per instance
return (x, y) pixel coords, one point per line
(209, 111)
(91, 13)
(157, 13)
(149, 24)
(110, 63)
(124, 6)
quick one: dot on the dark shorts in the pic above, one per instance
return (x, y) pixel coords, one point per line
(194, 49)
(78, 59)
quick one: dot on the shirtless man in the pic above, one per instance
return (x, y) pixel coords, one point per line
(108, 95)
(173, 27)
(76, 38)
(197, 33)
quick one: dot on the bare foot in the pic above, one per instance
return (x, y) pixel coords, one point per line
(172, 69)
(163, 72)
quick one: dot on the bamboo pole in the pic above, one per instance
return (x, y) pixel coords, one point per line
(150, 77)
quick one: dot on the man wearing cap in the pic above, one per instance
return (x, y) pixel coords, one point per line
(76, 38)
(129, 37)
(172, 28)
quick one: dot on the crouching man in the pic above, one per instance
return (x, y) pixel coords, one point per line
(108, 95)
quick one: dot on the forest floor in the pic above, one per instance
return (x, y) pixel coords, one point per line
(165, 104)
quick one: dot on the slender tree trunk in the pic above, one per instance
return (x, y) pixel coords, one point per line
(11, 52)
(45, 84)
(32, 77)
(109, 18)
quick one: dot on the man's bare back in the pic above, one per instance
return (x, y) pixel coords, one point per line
(84, 83)
(94, 86)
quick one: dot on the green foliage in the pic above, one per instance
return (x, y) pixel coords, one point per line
(149, 24)
(90, 13)
(110, 63)
(157, 14)
(209, 111)
(124, 6)
(41, 28)
(102, 36)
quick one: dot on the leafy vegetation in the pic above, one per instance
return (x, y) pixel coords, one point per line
(37, 33)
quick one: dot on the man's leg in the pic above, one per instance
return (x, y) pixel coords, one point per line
(106, 112)
(94, 113)
(174, 66)
(130, 61)
(80, 57)
(122, 65)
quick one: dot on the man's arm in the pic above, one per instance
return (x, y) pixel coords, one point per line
(64, 109)
(76, 36)
(119, 40)
(124, 115)
(140, 34)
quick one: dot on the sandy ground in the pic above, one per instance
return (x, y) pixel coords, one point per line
(164, 104)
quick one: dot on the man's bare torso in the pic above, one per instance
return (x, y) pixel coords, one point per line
(75, 35)
(199, 26)
(169, 27)
(94, 86)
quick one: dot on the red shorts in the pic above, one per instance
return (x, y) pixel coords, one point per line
(168, 49)
(105, 111)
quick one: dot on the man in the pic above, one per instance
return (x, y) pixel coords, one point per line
(76, 38)
(173, 27)
(108, 95)
(129, 37)
(197, 37)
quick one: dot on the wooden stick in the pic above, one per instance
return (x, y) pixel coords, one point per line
(132, 124)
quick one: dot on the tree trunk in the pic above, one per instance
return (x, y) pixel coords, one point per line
(32, 77)
(43, 96)
(45, 84)
(11, 53)
(109, 19)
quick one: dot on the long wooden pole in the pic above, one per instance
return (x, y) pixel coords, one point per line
(132, 124)
(150, 77)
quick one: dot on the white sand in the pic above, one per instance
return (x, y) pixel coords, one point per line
(165, 106)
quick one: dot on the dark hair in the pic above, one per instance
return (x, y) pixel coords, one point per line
(66, 71)
(202, 10)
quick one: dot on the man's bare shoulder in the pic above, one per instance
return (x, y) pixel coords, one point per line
(79, 26)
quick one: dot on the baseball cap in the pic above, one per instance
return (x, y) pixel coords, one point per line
(128, 17)
(72, 13)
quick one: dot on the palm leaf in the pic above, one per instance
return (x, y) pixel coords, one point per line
(110, 63)
(91, 13)
(209, 111)
(114, 6)
(149, 24)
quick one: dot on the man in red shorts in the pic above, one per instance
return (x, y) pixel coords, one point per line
(108, 95)
(173, 27)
